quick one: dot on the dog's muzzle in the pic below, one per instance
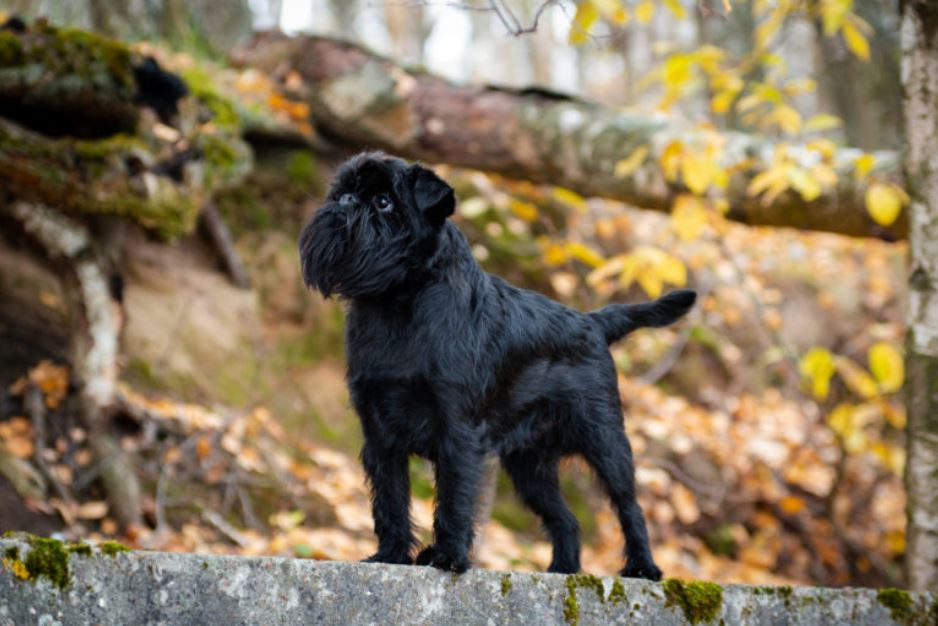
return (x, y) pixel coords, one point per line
(323, 245)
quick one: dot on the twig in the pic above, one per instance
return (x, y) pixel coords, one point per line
(216, 231)
(35, 406)
(226, 529)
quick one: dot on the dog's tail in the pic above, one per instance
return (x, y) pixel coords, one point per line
(618, 320)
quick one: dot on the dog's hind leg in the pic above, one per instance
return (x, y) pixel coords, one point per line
(609, 453)
(535, 479)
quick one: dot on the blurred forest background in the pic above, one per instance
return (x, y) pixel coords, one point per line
(166, 380)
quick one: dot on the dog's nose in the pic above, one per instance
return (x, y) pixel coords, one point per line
(346, 199)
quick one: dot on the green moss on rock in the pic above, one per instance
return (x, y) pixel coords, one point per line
(571, 608)
(80, 548)
(899, 603)
(48, 558)
(617, 593)
(700, 601)
(12, 553)
(506, 584)
(112, 548)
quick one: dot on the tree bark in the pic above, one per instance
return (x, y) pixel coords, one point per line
(365, 101)
(920, 78)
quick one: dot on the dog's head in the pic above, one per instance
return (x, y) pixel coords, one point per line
(378, 227)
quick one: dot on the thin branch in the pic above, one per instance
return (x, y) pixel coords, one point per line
(35, 406)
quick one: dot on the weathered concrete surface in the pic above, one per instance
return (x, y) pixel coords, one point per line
(162, 588)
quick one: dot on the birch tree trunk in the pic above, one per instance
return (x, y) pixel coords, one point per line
(920, 80)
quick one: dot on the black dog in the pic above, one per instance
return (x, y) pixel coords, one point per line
(449, 363)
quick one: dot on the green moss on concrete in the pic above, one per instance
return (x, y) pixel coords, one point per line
(617, 593)
(700, 601)
(571, 607)
(899, 603)
(506, 584)
(48, 558)
(112, 548)
(80, 548)
(12, 553)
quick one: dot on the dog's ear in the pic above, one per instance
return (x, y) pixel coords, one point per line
(433, 196)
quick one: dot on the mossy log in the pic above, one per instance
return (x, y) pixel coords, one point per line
(73, 136)
(67, 81)
(364, 100)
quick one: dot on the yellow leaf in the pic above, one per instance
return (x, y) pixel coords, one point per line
(883, 203)
(688, 217)
(631, 163)
(767, 29)
(856, 378)
(817, 365)
(856, 41)
(630, 268)
(792, 505)
(764, 180)
(825, 147)
(524, 210)
(645, 11)
(570, 197)
(891, 456)
(677, 70)
(727, 7)
(841, 418)
(804, 183)
(833, 13)
(586, 15)
(672, 270)
(788, 119)
(722, 101)
(862, 165)
(698, 171)
(651, 283)
(582, 252)
(670, 159)
(822, 121)
(555, 254)
(607, 270)
(887, 366)
(676, 8)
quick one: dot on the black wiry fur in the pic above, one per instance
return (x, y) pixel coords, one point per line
(450, 363)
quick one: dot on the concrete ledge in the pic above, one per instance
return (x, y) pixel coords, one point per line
(47, 582)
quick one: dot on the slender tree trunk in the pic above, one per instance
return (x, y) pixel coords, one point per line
(920, 78)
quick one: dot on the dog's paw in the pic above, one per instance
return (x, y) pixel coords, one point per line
(639, 569)
(393, 559)
(563, 568)
(444, 560)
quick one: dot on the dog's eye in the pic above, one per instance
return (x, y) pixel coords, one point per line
(383, 203)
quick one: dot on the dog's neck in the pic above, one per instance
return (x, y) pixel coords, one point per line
(451, 262)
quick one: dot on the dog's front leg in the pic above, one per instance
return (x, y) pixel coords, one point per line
(390, 499)
(458, 465)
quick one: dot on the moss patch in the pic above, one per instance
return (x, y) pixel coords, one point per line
(80, 548)
(506, 584)
(898, 602)
(112, 548)
(571, 608)
(571, 605)
(617, 593)
(48, 558)
(700, 601)
(12, 552)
